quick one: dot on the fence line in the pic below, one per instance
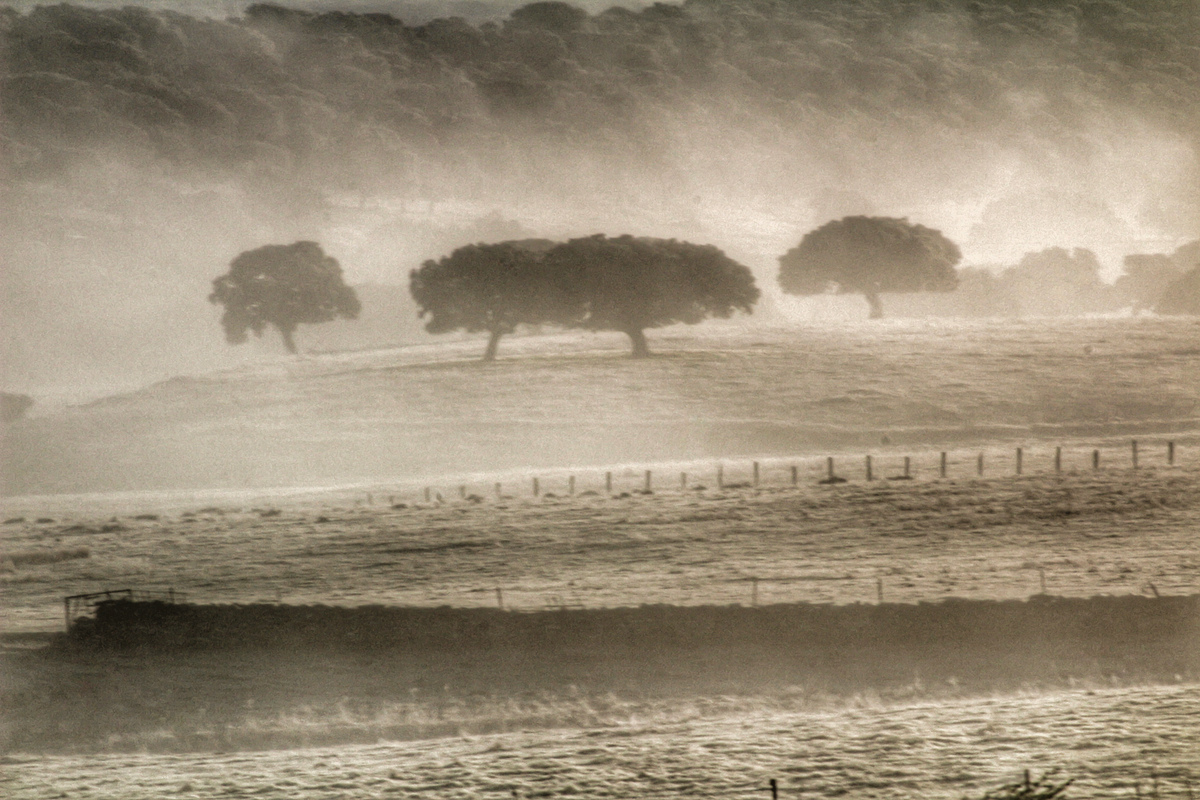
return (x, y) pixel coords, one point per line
(729, 474)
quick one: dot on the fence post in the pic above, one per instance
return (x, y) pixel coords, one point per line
(756, 473)
(1019, 453)
(870, 477)
(608, 482)
(1058, 459)
(979, 464)
(907, 464)
(942, 466)
(1135, 464)
(795, 475)
(647, 480)
(1095, 459)
(1170, 454)
(829, 465)
(774, 790)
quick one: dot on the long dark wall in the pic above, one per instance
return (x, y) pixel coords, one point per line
(1044, 636)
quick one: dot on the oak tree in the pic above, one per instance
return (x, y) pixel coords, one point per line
(870, 256)
(282, 286)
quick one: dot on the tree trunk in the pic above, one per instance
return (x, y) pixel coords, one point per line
(876, 305)
(493, 344)
(288, 341)
(640, 348)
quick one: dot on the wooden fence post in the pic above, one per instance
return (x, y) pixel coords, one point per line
(1095, 459)
(1135, 462)
(870, 476)
(608, 482)
(942, 467)
(1058, 459)
(756, 473)
(829, 466)
(1019, 454)
(795, 475)
(907, 464)
(1170, 454)
(979, 464)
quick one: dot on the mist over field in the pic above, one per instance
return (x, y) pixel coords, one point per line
(375, 550)
(143, 149)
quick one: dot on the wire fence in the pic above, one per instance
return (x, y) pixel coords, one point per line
(777, 472)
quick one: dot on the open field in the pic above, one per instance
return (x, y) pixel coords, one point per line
(1111, 740)
(572, 400)
(1114, 531)
(303, 482)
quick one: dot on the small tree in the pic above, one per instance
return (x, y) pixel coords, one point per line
(490, 287)
(629, 284)
(282, 286)
(870, 256)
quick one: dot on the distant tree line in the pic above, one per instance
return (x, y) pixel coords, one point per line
(355, 100)
(631, 284)
(1061, 282)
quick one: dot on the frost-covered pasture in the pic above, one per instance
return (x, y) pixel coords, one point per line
(303, 482)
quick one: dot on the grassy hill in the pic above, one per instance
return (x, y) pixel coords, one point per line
(571, 400)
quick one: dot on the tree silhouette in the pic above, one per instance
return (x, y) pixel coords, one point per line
(490, 287)
(629, 284)
(282, 286)
(870, 256)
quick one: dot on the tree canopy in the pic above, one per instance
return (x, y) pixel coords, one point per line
(282, 286)
(490, 287)
(334, 95)
(870, 256)
(629, 284)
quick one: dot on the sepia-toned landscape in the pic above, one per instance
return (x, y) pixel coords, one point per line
(756, 398)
